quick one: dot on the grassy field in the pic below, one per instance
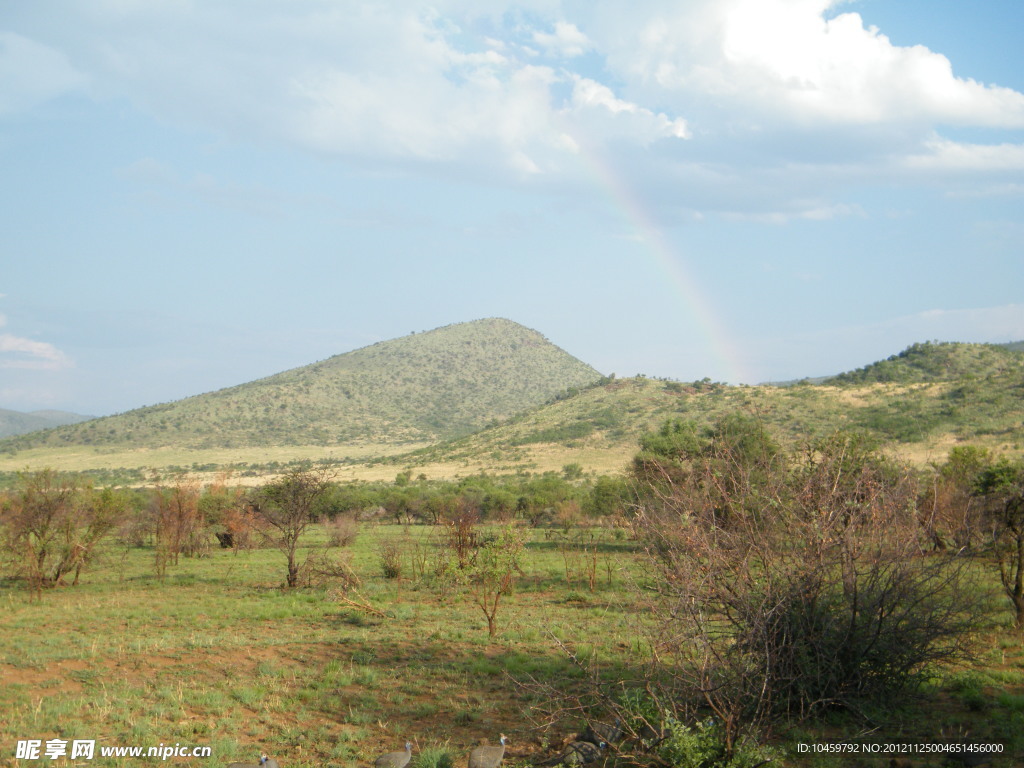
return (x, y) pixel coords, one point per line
(218, 655)
(246, 465)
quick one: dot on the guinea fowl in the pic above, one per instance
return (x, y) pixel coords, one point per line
(487, 757)
(577, 753)
(597, 733)
(395, 759)
(265, 762)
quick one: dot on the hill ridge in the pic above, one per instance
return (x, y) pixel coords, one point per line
(23, 422)
(436, 384)
(933, 361)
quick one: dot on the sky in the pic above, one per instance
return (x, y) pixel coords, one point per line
(198, 193)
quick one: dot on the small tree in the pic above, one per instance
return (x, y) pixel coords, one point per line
(1002, 484)
(52, 526)
(179, 525)
(223, 508)
(492, 574)
(950, 510)
(461, 530)
(287, 507)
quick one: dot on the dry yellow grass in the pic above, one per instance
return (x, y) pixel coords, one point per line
(80, 459)
(537, 458)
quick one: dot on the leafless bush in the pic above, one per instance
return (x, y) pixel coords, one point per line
(225, 511)
(391, 560)
(342, 530)
(180, 527)
(322, 568)
(461, 529)
(580, 557)
(241, 524)
(805, 590)
(950, 514)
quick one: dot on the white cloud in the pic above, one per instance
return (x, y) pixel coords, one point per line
(980, 325)
(386, 80)
(784, 102)
(986, 324)
(566, 41)
(944, 155)
(31, 73)
(807, 210)
(18, 352)
(786, 59)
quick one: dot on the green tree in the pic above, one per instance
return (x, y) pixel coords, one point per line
(287, 507)
(734, 461)
(1002, 484)
(492, 573)
(950, 509)
(610, 496)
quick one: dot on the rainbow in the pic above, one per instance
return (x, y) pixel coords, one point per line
(710, 328)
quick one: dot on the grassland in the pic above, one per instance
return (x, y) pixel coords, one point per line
(218, 654)
(599, 426)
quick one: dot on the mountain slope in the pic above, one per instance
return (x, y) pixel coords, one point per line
(423, 387)
(18, 423)
(935, 361)
(943, 395)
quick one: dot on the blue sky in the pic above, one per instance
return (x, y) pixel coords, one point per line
(198, 194)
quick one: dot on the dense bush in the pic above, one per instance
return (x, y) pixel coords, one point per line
(788, 585)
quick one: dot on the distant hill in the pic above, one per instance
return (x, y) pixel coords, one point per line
(920, 402)
(934, 361)
(18, 423)
(493, 396)
(440, 384)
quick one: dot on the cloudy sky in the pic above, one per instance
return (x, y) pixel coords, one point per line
(198, 193)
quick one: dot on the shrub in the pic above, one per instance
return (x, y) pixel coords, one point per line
(706, 744)
(434, 757)
(791, 585)
(342, 530)
(391, 560)
(52, 526)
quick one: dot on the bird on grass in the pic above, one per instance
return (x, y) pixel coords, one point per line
(265, 762)
(395, 759)
(598, 733)
(487, 757)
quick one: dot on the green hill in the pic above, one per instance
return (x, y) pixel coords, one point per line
(424, 387)
(920, 403)
(18, 423)
(934, 361)
(494, 396)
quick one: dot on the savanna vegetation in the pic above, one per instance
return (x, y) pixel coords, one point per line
(918, 404)
(440, 384)
(731, 594)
